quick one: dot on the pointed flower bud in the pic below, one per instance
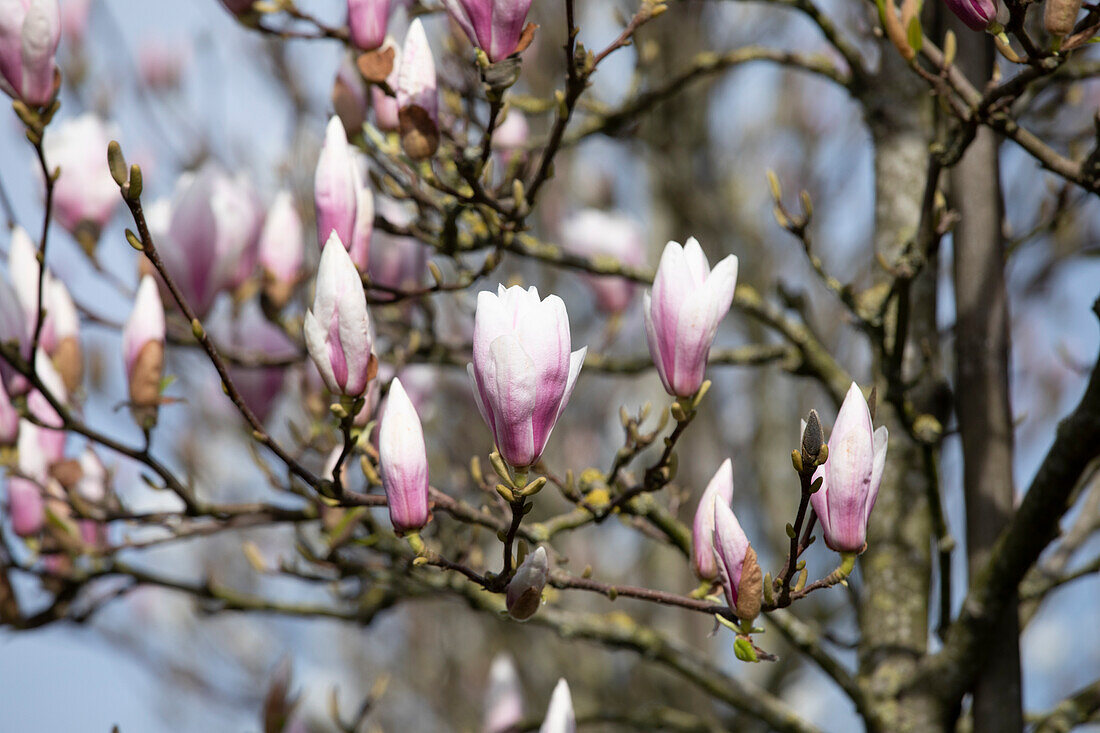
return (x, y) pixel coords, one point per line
(504, 698)
(404, 461)
(494, 26)
(522, 372)
(92, 484)
(344, 205)
(26, 506)
(977, 14)
(143, 346)
(417, 98)
(337, 328)
(594, 233)
(851, 476)
(367, 22)
(281, 249)
(559, 715)
(683, 311)
(29, 33)
(524, 593)
(731, 547)
(720, 489)
(84, 195)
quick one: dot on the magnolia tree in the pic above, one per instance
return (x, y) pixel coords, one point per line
(276, 423)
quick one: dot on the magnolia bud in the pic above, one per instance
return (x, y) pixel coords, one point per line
(143, 351)
(404, 461)
(524, 593)
(559, 715)
(367, 22)
(29, 33)
(494, 26)
(417, 98)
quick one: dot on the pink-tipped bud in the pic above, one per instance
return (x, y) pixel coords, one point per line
(731, 546)
(503, 698)
(367, 22)
(977, 14)
(29, 33)
(720, 489)
(417, 98)
(344, 205)
(404, 461)
(522, 371)
(683, 311)
(143, 346)
(524, 593)
(281, 250)
(595, 233)
(851, 476)
(559, 715)
(26, 506)
(337, 328)
(494, 26)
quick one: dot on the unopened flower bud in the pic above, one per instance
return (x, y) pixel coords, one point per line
(851, 476)
(26, 506)
(337, 328)
(524, 593)
(367, 22)
(417, 97)
(143, 350)
(29, 33)
(720, 489)
(977, 14)
(494, 26)
(504, 698)
(559, 715)
(404, 461)
(281, 250)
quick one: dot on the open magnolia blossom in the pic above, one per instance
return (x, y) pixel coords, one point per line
(851, 476)
(523, 372)
(682, 313)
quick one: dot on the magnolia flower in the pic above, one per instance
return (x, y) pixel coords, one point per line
(84, 195)
(522, 372)
(207, 235)
(344, 205)
(29, 33)
(595, 233)
(143, 346)
(731, 547)
(65, 350)
(720, 489)
(524, 592)
(494, 26)
(404, 461)
(23, 268)
(26, 506)
(682, 313)
(338, 328)
(417, 98)
(559, 715)
(851, 476)
(977, 14)
(504, 698)
(281, 249)
(367, 22)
